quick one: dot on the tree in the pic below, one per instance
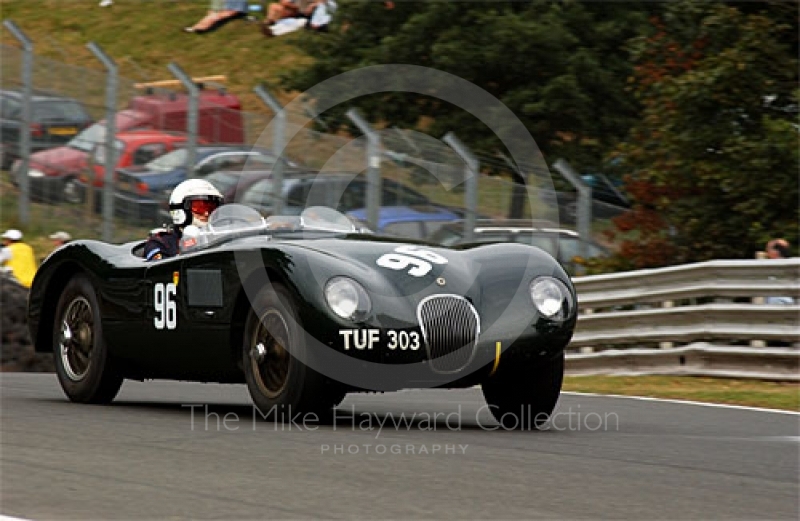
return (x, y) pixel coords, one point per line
(560, 67)
(714, 158)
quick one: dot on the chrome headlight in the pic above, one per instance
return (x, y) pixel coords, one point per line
(35, 173)
(347, 298)
(551, 297)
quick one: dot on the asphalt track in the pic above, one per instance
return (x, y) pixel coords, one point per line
(163, 451)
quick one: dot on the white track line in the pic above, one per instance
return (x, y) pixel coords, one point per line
(686, 402)
(8, 518)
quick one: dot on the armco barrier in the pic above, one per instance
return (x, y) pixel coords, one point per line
(716, 279)
(686, 324)
(703, 318)
(779, 364)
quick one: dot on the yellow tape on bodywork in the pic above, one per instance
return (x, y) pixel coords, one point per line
(497, 350)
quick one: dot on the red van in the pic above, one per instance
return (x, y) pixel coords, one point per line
(220, 120)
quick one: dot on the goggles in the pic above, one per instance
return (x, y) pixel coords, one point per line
(201, 206)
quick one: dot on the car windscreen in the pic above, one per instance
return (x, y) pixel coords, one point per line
(223, 181)
(397, 194)
(226, 222)
(234, 220)
(404, 229)
(539, 240)
(258, 161)
(432, 227)
(89, 137)
(259, 195)
(572, 247)
(323, 218)
(544, 242)
(169, 161)
(59, 110)
(447, 236)
(100, 152)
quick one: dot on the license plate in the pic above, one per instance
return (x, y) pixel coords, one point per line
(63, 131)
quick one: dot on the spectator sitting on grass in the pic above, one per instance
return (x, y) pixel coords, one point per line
(296, 10)
(220, 12)
(322, 14)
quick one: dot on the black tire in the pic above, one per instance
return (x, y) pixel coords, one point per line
(280, 385)
(84, 367)
(524, 397)
(70, 193)
(7, 160)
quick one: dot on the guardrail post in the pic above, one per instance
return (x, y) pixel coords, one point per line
(191, 115)
(278, 145)
(25, 125)
(760, 255)
(471, 166)
(111, 150)
(587, 349)
(667, 345)
(373, 167)
(584, 217)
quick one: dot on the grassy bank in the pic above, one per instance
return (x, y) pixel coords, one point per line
(143, 36)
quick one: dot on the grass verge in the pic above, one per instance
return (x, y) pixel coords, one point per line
(752, 393)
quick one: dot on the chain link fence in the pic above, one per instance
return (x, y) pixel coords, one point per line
(419, 173)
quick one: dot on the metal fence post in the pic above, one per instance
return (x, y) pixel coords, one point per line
(111, 133)
(373, 167)
(191, 115)
(25, 126)
(584, 217)
(278, 145)
(519, 191)
(471, 180)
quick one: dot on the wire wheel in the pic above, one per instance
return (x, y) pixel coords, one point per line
(270, 357)
(76, 340)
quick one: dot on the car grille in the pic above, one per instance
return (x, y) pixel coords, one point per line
(450, 326)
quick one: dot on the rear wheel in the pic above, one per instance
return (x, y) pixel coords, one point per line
(84, 367)
(524, 397)
(278, 382)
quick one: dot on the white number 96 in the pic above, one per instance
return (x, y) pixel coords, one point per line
(164, 303)
(419, 259)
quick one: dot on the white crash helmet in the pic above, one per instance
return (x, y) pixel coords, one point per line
(187, 191)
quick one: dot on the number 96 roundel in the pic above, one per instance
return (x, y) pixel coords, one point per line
(418, 261)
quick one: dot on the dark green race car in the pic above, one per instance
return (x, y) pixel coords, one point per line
(305, 309)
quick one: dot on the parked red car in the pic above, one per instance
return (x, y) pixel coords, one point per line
(137, 147)
(52, 173)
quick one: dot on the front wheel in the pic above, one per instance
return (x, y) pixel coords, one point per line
(84, 367)
(71, 192)
(524, 397)
(279, 383)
